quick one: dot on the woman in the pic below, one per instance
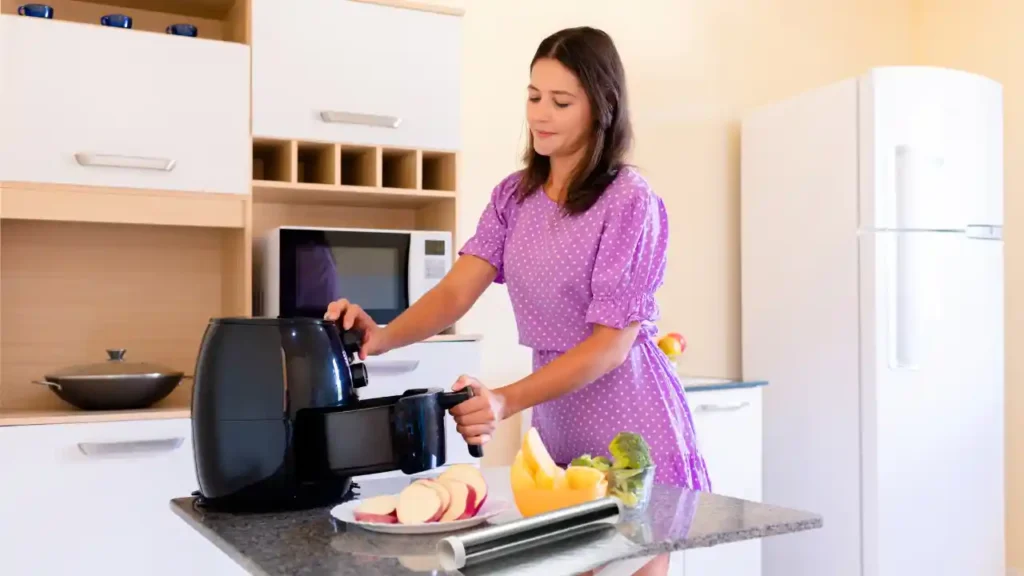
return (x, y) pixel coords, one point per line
(580, 240)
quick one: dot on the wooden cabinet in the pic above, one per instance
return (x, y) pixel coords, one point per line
(728, 427)
(97, 106)
(432, 364)
(96, 497)
(355, 72)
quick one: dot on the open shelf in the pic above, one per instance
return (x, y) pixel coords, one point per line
(400, 169)
(359, 166)
(71, 290)
(215, 19)
(288, 171)
(439, 171)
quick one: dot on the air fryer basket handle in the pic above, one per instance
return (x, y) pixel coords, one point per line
(449, 400)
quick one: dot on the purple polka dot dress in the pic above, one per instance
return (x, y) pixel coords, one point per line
(567, 273)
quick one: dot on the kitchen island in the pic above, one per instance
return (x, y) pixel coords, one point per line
(313, 543)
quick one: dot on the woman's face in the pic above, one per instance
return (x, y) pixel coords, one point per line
(557, 110)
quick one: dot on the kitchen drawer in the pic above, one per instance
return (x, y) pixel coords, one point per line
(426, 365)
(95, 106)
(88, 497)
(728, 427)
(342, 71)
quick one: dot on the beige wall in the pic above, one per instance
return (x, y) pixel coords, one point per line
(984, 36)
(693, 67)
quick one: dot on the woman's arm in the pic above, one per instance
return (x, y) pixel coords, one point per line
(443, 305)
(603, 351)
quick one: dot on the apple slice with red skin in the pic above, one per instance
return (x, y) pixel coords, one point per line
(442, 492)
(379, 509)
(472, 477)
(463, 500)
(418, 504)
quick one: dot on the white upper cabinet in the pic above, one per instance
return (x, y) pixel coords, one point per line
(89, 105)
(352, 72)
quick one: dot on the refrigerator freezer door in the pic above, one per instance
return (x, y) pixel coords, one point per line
(931, 149)
(932, 404)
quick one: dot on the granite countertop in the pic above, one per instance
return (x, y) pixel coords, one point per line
(313, 543)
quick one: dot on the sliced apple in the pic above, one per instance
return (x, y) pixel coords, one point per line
(446, 498)
(379, 509)
(418, 504)
(463, 500)
(472, 477)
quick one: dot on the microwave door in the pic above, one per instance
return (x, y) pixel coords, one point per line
(365, 267)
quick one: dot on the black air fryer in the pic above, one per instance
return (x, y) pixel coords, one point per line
(277, 423)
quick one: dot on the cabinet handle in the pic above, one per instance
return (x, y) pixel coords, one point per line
(377, 120)
(130, 447)
(386, 367)
(119, 161)
(721, 407)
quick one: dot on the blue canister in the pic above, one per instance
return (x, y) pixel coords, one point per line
(116, 21)
(36, 10)
(183, 30)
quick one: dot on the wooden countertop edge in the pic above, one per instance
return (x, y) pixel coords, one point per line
(41, 417)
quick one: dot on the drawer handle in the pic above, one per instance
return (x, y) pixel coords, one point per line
(377, 120)
(130, 447)
(390, 367)
(721, 408)
(119, 161)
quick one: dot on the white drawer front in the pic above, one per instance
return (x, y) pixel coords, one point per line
(323, 67)
(426, 365)
(728, 427)
(99, 495)
(97, 106)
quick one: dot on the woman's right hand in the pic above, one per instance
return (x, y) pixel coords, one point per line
(349, 316)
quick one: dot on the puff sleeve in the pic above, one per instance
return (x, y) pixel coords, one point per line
(488, 241)
(630, 263)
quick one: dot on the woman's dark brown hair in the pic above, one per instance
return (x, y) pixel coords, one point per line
(592, 57)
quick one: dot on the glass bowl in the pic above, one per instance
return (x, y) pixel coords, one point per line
(632, 486)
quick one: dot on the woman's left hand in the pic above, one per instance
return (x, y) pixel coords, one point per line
(478, 417)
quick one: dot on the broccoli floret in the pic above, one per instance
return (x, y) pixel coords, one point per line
(630, 451)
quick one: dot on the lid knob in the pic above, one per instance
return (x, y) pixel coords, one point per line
(116, 353)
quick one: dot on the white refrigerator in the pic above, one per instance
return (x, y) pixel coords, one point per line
(872, 300)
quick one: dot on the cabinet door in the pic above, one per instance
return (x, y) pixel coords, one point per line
(426, 365)
(98, 106)
(96, 496)
(728, 428)
(352, 72)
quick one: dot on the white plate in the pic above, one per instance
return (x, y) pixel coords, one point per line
(491, 508)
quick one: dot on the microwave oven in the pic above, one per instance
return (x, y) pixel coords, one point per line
(383, 271)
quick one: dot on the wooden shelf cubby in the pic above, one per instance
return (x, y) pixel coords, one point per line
(288, 171)
(226, 20)
(71, 290)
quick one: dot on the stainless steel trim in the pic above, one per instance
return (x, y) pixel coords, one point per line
(721, 407)
(121, 161)
(378, 120)
(130, 447)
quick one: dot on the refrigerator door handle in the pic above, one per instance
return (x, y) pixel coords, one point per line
(983, 232)
(902, 335)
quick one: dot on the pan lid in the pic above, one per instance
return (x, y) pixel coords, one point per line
(114, 367)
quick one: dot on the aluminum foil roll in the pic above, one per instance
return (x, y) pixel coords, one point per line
(501, 540)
